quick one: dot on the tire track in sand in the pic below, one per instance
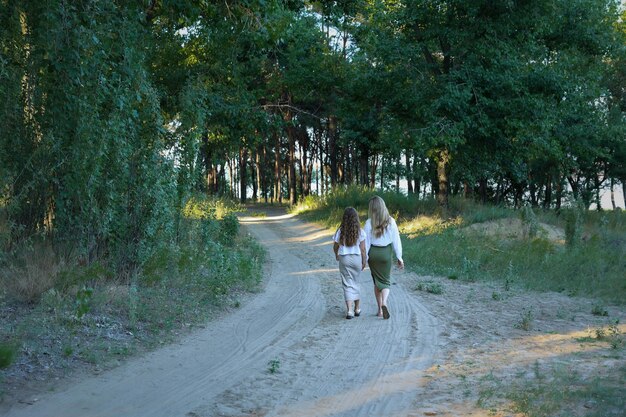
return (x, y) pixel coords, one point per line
(328, 366)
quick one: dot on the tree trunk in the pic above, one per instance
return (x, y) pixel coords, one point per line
(264, 175)
(382, 174)
(575, 186)
(231, 176)
(612, 194)
(373, 171)
(332, 149)
(482, 189)
(398, 174)
(291, 175)
(443, 159)
(363, 167)
(304, 141)
(533, 191)
(409, 172)
(243, 177)
(547, 202)
(416, 177)
(277, 169)
(598, 184)
(257, 175)
(322, 166)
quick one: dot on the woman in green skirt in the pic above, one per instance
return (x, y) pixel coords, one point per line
(382, 241)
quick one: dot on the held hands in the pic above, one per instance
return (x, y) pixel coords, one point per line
(400, 264)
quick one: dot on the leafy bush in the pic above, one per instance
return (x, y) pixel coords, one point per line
(229, 228)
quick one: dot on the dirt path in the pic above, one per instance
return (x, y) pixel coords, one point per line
(323, 364)
(289, 351)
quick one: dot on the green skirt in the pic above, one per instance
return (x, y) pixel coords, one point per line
(379, 262)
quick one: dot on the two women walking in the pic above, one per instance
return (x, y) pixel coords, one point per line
(375, 244)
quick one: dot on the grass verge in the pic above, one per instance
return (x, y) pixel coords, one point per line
(579, 253)
(83, 316)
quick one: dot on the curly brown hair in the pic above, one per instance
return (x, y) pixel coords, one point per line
(350, 227)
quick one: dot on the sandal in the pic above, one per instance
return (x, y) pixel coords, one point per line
(350, 315)
(357, 313)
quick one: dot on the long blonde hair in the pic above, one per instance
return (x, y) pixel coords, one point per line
(350, 227)
(379, 215)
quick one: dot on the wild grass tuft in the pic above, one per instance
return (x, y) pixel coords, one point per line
(273, 366)
(430, 287)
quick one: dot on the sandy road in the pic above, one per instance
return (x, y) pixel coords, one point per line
(324, 364)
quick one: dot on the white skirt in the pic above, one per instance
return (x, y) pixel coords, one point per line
(350, 269)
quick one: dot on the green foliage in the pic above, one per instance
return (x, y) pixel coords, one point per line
(229, 228)
(599, 310)
(7, 355)
(83, 301)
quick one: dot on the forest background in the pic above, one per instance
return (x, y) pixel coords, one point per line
(123, 123)
(114, 114)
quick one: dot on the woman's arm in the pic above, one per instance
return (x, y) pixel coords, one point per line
(363, 255)
(396, 242)
(336, 250)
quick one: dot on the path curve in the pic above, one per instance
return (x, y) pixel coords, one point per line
(324, 365)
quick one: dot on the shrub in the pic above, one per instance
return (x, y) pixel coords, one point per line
(229, 228)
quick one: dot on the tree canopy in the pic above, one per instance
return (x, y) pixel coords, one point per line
(113, 113)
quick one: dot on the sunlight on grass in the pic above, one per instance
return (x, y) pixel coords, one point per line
(201, 207)
(427, 225)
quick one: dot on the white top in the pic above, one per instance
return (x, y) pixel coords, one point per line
(349, 250)
(390, 235)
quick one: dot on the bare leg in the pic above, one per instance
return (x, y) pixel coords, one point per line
(349, 306)
(379, 300)
(384, 295)
(357, 305)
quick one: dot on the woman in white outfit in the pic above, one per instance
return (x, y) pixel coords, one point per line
(383, 240)
(349, 248)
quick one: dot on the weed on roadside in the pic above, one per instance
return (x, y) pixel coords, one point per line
(611, 334)
(599, 310)
(526, 320)
(273, 366)
(430, 287)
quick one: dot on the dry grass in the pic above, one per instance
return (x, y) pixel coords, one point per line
(32, 272)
